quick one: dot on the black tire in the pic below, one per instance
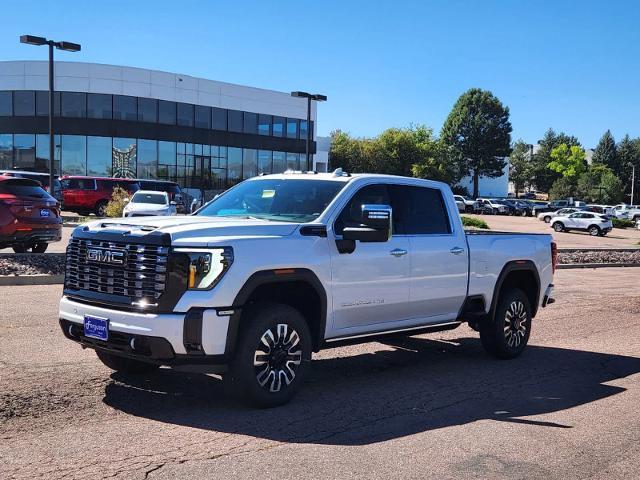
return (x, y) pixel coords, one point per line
(604, 233)
(284, 355)
(100, 209)
(20, 248)
(547, 219)
(507, 334)
(594, 231)
(39, 247)
(125, 365)
(468, 209)
(558, 227)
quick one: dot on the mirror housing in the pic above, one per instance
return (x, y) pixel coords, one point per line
(376, 223)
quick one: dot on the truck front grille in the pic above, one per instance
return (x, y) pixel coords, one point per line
(131, 273)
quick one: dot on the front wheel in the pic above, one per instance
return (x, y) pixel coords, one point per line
(468, 209)
(271, 356)
(125, 365)
(594, 231)
(507, 334)
(101, 209)
(547, 219)
(20, 248)
(558, 227)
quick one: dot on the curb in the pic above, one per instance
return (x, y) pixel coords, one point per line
(568, 266)
(6, 281)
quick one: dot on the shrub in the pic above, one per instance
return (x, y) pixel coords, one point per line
(622, 223)
(474, 222)
(117, 202)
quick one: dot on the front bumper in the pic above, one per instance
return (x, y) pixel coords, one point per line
(196, 337)
(35, 235)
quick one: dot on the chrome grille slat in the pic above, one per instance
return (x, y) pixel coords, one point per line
(143, 276)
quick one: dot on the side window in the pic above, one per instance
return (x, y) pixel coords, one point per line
(350, 216)
(427, 212)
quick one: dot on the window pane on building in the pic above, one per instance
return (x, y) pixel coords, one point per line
(249, 163)
(219, 118)
(6, 150)
(99, 106)
(167, 153)
(167, 112)
(293, 161)
(264, 124)
(74, 155)
(147, 158)
(235, 121)
(147, 110)
(278, 126)
(203, 117)
(24, 146)
(264, 161)
(42, 103)
(234, 162)
(279, 162)
(99, 156)
(42, 154)
(74, 104)
(250, 122)
(124, 157)
(125, 108)
(292, 128)
(303, 129)
(185, 114)
(6, 104)
(24, 103)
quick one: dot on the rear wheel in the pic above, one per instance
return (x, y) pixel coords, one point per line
(125, 365)
(594, 231)
(558, 227)
(20, 248)
(468, 209)
(507, 334)
(101, 209)
(547, 219)
(271, 356)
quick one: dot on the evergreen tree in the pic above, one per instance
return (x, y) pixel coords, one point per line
(542, 176)
(606, 153)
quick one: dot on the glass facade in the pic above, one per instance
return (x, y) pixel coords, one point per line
(190, 164)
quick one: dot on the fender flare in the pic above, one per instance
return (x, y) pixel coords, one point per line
(515, 266)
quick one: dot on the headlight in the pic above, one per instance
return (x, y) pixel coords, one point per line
(206, 266)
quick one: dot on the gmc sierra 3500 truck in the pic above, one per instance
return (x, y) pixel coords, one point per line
(281, 266)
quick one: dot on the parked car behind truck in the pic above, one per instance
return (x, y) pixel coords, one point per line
(85, 195)
(281, 266)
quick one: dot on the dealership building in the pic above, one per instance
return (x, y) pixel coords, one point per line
(137, 123)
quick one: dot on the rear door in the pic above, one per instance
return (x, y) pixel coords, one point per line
(439, 255)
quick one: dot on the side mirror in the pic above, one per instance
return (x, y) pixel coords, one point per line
(376, 225)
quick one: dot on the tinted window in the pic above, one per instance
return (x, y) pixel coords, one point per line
(351, 215)
(154, 198)
(185, 114)
(74, 155)
(235, 121)
(125, 108)
(278, 126)
(99, 156)
(166, 112)
(25, 151)
(22, 188)
(303, 129)
(279, 162)
(249, 163)
(6, 150)
(427, 213)
(147, 110)
(203, 117)
(42, 103)
(79, 184)
(250, 122)
(218, 118)
(74, 104)
(99, 106)
(292, 128)
(24, 103)
(264, 124)
(235, 164)
(6, 104)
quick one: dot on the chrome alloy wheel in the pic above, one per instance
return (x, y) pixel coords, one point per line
(515, 324)
(277, 357)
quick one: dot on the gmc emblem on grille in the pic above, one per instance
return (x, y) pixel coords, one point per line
(111, 257)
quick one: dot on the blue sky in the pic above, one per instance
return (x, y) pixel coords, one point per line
(570, 65)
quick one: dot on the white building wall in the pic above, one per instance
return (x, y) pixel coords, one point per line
(139, 82)
(321, 158)
(489, 187)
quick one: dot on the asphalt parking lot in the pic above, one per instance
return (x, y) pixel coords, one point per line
(425, 407)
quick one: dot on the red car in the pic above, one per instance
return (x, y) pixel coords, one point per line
(29, 216)
(85, 195)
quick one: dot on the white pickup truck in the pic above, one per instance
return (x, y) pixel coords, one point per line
(281, 266)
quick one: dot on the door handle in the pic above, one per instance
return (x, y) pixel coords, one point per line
(457, 250)
(398, 252)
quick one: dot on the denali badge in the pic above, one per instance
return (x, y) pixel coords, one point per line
(111, 257)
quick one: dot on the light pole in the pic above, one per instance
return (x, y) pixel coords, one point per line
(69, 47)
(633, 180)
(318, 98)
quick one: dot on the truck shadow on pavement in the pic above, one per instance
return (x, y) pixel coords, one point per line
(411, 385)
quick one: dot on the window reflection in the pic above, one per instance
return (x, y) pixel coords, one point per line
(74, 155)
(6, 104)
(292, 128)
(24, 103)
(125, 108)
(124, 156)
(234, 162)
(74, 104)
(99, 156)
(147, 158)
(147, 110)
(6, 150)
(264, 161)
(99, 106)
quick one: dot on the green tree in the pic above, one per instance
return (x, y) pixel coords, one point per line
(606, 153)
(562, 188)
(628, 156)
(478, 134)
(600, 184)
(350, 154)
(520, 166)
(568, 161)
(542, 176)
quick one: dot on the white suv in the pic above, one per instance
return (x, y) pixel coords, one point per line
(593, 223)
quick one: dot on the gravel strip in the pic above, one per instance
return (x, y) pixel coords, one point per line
(599, 256)
(32, 264)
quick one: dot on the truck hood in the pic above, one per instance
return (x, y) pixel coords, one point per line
(192, 230)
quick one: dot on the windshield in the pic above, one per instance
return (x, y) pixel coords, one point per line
(22, 187)
(154, 198)
(290, 200)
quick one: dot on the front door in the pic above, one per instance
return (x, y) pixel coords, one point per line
(370, 287)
